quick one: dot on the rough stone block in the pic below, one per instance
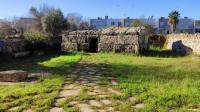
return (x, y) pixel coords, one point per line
(180, 48)
(69, 46)
(21, 54)
(13, 76)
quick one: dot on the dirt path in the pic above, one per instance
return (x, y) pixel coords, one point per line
(87, 90)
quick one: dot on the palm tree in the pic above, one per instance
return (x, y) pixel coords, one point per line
(173, 20)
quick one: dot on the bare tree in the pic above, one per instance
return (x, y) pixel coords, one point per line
(137, 23)
(39, 13)
(84, 26)
(6, 28)
(74, 20)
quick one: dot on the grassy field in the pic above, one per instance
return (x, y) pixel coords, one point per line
(39, 95)
(161, 83)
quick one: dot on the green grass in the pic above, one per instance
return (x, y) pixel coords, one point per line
(39, 95)
(162, 84)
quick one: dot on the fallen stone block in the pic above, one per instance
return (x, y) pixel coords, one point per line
(13, 76)
(179, 48)
(21, 54)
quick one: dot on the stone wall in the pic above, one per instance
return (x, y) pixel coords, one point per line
(10, 46)
(78, 40)
(191, 41)
(121, 43)
(110, 39)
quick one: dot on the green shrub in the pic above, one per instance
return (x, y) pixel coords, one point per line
(158, 41)
(54, 22)
(35, 36)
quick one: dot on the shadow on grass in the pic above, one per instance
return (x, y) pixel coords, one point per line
(137, 79)
(33, 64)
(161, 53)
(157, 86)
(151, 72)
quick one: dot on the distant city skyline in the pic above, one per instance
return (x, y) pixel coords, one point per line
(100, 8)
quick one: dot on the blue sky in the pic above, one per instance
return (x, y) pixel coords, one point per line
(112, 8)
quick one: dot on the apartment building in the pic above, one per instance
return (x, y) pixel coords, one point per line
(185, 25)
(105, 22)
(197, 26)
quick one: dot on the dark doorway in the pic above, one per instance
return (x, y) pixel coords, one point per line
(93, 45)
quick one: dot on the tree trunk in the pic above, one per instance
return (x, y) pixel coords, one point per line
(172, 28)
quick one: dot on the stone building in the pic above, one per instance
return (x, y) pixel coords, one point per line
(113, 39)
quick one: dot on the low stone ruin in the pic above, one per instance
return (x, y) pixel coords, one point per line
(184, 43)
(15, 47)
(13, 76)
(113, 39)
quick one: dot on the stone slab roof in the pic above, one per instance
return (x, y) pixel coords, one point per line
(111, 31)
(122, 30)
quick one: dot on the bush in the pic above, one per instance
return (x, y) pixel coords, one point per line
(35, 36)
(37, 41)
(158, 41)
(54, 22)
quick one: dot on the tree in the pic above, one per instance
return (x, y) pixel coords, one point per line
(41, 12)
(54, 22)
(150, 30)
(20, 28)
(84, 26)
(35, 13)
(26, 24)
(51, 19)
(74, 20)
(137, 23)
(173, 20)
(6, 29)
